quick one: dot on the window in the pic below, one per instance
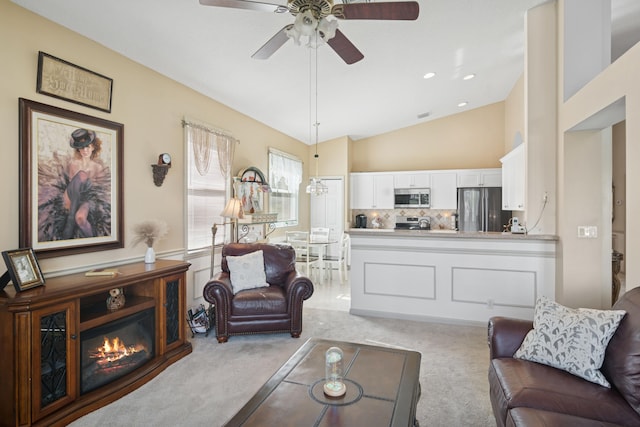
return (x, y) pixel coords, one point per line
(285, 176)
(206, 186)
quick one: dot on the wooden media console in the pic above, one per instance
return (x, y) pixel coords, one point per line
(42, 331)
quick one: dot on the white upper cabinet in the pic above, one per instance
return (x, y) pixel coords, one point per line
(412, 180)
(513, 179)
(371, 191)
(444, 193)
(374, 190)
(480, 178)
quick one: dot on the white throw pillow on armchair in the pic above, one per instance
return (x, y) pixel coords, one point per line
(573, 340)
(247, 271)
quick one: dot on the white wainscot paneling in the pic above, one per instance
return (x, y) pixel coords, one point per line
(494, 287)
(200, 278)
(199, 275)
(383, 279)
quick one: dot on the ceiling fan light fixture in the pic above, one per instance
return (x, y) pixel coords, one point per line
(327, 28)
(304, 26)
(317, 31)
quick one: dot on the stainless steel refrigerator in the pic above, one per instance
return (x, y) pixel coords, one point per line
(480, 209)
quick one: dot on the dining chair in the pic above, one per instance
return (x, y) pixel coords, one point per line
(299, 240)
(320, 235)
(340, 261)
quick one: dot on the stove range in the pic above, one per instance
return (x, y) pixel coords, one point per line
(413, 223)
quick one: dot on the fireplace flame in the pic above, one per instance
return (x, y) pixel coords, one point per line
(115, 349)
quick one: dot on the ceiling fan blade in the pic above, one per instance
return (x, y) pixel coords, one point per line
(344, 48)
(246, 4)
(402, 10)
(273, 44)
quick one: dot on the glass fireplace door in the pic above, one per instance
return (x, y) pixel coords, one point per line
(54, 358)
(112, 350)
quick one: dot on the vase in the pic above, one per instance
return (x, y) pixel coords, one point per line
(150, 256)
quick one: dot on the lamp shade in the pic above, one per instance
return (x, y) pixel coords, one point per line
(233, 209)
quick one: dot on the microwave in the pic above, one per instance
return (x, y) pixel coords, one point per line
(412, 198)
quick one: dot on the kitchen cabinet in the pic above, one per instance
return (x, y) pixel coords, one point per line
(480, 178)
(460, 279)
(444, 190)
(513, 179)
(371, 191)
(412, 180)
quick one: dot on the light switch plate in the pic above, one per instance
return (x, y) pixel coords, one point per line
(587, 232)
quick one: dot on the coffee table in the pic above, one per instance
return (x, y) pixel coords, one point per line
(383, 389)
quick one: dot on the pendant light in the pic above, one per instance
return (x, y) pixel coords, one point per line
(316, 186)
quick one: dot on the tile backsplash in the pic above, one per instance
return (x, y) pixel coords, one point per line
(440, 218)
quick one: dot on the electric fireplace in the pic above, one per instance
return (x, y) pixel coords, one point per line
(112, 350)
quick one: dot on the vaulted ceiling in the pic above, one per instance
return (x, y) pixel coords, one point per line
(209, 49)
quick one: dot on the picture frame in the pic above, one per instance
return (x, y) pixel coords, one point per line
(63, 80)
(68, 204)
(23, 269)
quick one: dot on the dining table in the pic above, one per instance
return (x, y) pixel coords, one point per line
(316, 247)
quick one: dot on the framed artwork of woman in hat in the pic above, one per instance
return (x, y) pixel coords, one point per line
(83, 169)
(76, 161)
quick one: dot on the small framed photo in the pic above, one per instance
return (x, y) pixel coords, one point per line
(24, 269)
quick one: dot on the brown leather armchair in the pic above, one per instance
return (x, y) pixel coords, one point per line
(276, 308)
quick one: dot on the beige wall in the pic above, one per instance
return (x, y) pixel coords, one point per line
(472, 139)
(514, 115)
(618, 81)
(583, 204)
(149, 105)
(540, 108)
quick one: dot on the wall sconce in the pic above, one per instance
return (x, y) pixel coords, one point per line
(161, 168)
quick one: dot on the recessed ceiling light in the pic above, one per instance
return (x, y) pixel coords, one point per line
(468, 77)
(463, 104)
(429, 75)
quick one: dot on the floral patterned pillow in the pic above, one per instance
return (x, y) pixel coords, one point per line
(573, 340)
(247, 271)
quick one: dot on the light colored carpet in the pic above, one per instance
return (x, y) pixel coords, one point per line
(210, 385)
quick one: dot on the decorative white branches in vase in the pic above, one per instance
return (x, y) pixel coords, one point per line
(149, 232)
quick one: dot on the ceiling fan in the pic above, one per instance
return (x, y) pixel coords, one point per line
(311, 21)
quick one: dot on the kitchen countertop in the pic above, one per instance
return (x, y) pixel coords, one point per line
(448, 234)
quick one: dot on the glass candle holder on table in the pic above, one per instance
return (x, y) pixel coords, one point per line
(334, 373)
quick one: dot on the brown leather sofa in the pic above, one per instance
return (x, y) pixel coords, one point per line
(526, 393)
(276, 308)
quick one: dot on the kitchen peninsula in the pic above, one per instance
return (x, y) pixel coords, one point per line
(448, 275)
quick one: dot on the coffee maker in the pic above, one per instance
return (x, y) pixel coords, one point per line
(361, 221)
